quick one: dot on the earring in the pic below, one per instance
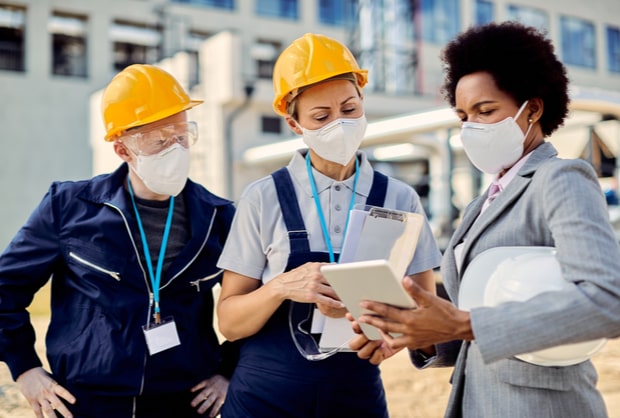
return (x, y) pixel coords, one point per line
(530, 120)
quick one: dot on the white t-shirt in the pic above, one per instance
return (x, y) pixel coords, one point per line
(258, 243)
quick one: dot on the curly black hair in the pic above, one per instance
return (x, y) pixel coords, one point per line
(520, 59)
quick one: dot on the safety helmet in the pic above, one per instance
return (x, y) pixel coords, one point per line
(308, 60)
(141, 94)
(516, 274)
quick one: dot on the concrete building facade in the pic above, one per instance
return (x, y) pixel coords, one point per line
(57, 55)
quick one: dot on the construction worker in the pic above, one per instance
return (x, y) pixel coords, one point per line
(132, 255)
(286, 226)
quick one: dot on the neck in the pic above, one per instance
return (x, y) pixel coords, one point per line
(529, 145)
(140, 190)
(532, 145)
(331, 169)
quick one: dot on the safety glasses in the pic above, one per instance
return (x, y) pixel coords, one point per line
(307, 342)
(154, 141)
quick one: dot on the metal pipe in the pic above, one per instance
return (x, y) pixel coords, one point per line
(228, 145)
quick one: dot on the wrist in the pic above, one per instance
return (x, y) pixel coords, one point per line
(464, 329)
(277, 288)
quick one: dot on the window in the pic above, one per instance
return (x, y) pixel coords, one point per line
(277, 8)
(529, 16)
(68, 35)
(265, 53)
(613, 49)
(337, 12)
(222, 4)
(385, 44)
(134, 44)
(193, 41)
(270, 125)
(12, 28)
(440, 20)
(578, 42)
(484, 12)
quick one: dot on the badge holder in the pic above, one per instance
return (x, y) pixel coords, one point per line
(161, 336)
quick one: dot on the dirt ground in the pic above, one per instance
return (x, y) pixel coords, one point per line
(411, 393)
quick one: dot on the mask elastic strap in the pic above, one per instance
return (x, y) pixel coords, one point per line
(521, 109)
(529, 126)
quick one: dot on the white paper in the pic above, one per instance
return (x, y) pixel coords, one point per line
(336, 334)
(352, 237)
(377, 238)
(318, 322)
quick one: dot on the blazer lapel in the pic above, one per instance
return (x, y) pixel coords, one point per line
(476, 226)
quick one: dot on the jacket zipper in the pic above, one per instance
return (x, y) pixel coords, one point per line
(204, 242)
(148, 318)
(197, 282)
(115, 275)
(148, 314)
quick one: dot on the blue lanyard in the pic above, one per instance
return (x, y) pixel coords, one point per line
(317, 203)
(155, 278)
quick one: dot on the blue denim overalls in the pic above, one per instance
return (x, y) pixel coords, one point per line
(272, 379)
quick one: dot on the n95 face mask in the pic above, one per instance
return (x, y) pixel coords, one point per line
(164, 173)
(493, 147)
(338, 141)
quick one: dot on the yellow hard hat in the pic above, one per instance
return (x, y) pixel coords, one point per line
(141, 94)
(308, 60)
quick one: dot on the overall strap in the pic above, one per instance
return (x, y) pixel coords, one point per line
(376, 197)
(297, 234)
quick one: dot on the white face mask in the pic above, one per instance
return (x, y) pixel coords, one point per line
(492, 147)
(164, 173)
(338, 140)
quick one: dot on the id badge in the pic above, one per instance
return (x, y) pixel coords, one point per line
(162, 336)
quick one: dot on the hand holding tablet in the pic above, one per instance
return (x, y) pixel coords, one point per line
(374, 263)
(367, 280)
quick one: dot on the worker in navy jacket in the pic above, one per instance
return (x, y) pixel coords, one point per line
(132, 260)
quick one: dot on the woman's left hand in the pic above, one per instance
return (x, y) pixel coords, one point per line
(374, 350)
(211, 393)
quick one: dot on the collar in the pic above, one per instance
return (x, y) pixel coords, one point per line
(504, 180)
(299, 174)
(111, 188)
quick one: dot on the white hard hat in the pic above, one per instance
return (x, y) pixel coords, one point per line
(505, 274)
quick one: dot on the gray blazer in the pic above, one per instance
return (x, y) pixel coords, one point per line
(556, 203)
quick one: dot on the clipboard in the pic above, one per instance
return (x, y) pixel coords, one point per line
(378, 248)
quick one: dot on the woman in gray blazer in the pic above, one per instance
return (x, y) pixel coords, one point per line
(511, 92)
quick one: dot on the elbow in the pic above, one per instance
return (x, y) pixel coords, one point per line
(226, 326)
(227, 332)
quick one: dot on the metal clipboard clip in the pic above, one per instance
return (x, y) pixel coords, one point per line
(387, 214)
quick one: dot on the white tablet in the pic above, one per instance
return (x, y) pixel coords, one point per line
(370, 280)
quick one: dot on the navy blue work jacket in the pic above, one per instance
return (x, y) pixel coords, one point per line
(81, 237)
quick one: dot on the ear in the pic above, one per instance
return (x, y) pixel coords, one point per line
(121, 150)
(535, 107)
(293, 126)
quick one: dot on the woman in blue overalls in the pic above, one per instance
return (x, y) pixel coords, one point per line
(291, 222)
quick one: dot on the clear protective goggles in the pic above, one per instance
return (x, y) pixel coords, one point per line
(154, 141)
(302, 321)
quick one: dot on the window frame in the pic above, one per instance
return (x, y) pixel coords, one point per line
(13, 39)
(72, 36)
(574, 44)
(283, 9)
